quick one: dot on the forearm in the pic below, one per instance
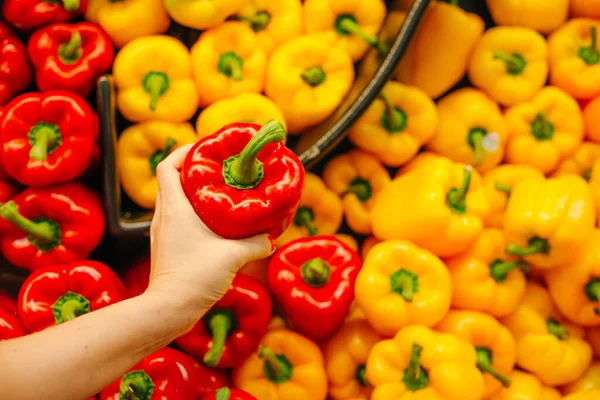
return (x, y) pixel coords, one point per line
(78, 359)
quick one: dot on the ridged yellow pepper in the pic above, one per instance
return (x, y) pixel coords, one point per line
(485, 279)
(547, 346)
(510, 64)
(308, 79)
(585, 8)
(545, 131)
(246, 107)
(320, 212)
(547, 221)
(202, 14)
(498, 184)
(439, 205)
(446, 33)
(153, 76)
(227, 61)
(124, 21)
(526, 386)
(358, 178)
(287, 366)
(401, 284)
(590, 380)
(542, 15)
(368, 245)
(348, 240)
(141, 148)
(471, 129)
(396, 125)
(352, 24)
(591, 118)
(494, 344)
(421, 364)
(585, 395)
(581, 162)
(345, 357)
(277, 322)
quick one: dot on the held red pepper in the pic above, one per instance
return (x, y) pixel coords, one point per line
(234, 327)
(59, 293)
(70, 56)
(243, 181)
(28, 14)
(226, 393)
(166, 374)
(10, 324)
(313, 280)
(51, 226)
(47, 138)
(7, 191)
(137, 277)
(15, 71)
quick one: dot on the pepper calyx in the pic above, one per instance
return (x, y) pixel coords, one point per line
(45, 234)
(45, 138)
(475, 140)
(536, 245)
(405, 284)
(557, 329)
(305, 218)
(136, 385)
(394, 119)
(71, 51)
(515, 63)
(314, 76)
(457, 197)
(541, 128)
(591, 54)
(159, 155)
(155, 84)
(277, 368)
(69, 306)
(361, 188)
(315, 273)
(415, 376)
(231, 65)
(484, 364)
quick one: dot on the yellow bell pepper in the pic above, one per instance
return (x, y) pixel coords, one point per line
(547, 346)
(246, 107)
(355, 313)
(401, 284)
(592, 336)
(275, 22)
(320, 212)
(227, 61)
(438, 55)
(575, 58)
(396, 125)
(545, 131)
(124, 21)
(581, 162)
(352, 24)
(153, 76)
(345, 357)
(510, 64)
(542, 15)
(358, 177)
(308, 79)
(277, 322)
(389, 31)
(348, 240)
(256, 269)
(202, 14)
(287, 366)
(439, 206)
(419, 363)
(585, 395)
(485, 279)
(498, 184)
(590, 380)
(547, 221)
(471, 129)
(368, 245)
(585, 8)
(525, 386)
(141, 148)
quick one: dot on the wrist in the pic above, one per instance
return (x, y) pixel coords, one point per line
(178, 313)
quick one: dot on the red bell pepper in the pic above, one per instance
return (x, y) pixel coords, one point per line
(166, 374)
(3, 174)
(226, 393)
(242, 180)
(70, 56)
(10, 324)
(137, 277)
(7, 302)
(15, 71)
(234, 327)
(7, 191)
(59, 293)
(48, 138)
(313, 280)
(28, 14)
(51, 226)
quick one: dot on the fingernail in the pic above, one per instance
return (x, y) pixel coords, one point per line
(273, 244)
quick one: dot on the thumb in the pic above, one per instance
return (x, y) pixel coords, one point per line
(257, 247)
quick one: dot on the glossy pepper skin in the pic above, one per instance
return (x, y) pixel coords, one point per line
(48, 138)
(358, 178)
(590, 380)
(547, 346)
(232, 329)
(545, 131)
(585, 395)
(15, 71)
(166, 374)
(548, 221)
(258, 180)
(70, 57)
(510, 64)
(228, 61)
(396, 124)
(346, 354)
(585, 8)
(401, 284)
(202, 15)
(313, 280)
(141, 148)
(153, 75)
(419, 363)
(582, 162)
(543, 16)
(226, 393)
(524, 386)
(308, 78)
(591, 118)
(446, 33)
(10, 324)
(287, 366)
(124, 21)
(50, 226)
(470, 129)
(7, 191)
(29, 14)
(56, 294)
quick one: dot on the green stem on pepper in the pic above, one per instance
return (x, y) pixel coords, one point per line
(305, 218)
(536, 245)
(277, 368)
(415, 377)
(484, 364)
(44, 231)
(590, 54)
(457, 197)
(220, 325)
(515, 63)
(315, 272)
(71, 51)
(394, 119)
(314, 76)
(155, 84)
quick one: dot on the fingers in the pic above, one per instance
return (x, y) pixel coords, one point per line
(167, 174)
(257, 247)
